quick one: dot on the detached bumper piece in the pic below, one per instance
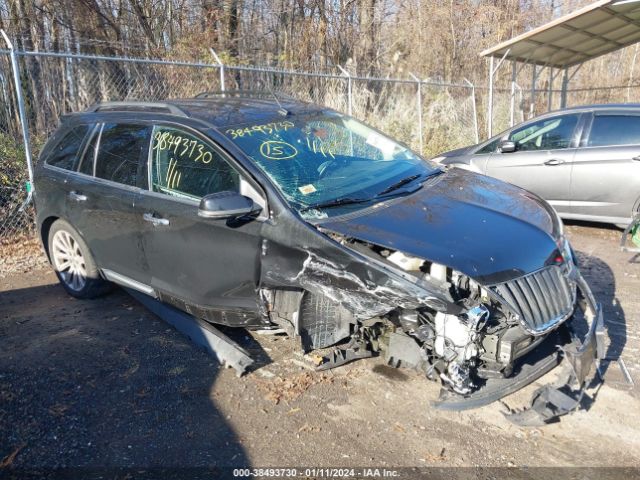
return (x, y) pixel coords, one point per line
(563, 396)
(200, 332)
(566, 394)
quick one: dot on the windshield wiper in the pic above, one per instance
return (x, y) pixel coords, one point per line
(379, 196)
(406, 181)
(335, 203)
(397, 185)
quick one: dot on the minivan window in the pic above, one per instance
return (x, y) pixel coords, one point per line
(548, 134)
(120, 150)
(65, 152)
(185, 166)
(615, 130)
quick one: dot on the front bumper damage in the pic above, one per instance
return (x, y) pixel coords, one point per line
(580, 342)
(419, 314)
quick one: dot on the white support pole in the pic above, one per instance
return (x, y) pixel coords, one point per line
(565, 84)
(532, 107)
(349, 92)
(490, 100)
(513, 94)
(550, 90)
(419, 107)
(475, 110)
(23, 116)
(221, 65)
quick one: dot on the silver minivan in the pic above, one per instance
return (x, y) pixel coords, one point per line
(585, 161)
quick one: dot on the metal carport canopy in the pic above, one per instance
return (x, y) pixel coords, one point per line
(587, 33)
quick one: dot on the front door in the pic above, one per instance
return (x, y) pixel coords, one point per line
(208, 263)
(542, 161)
(101, 199)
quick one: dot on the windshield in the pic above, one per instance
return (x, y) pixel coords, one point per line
(326, 164)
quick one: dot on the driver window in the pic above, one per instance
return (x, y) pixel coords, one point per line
(548, 134)
(182, 165)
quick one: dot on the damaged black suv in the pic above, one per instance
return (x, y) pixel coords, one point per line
(252, 211)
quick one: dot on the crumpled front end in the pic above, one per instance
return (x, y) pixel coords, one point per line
(480, 340)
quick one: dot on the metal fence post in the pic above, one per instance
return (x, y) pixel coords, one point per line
(221, 66)
(475, 111)
(492, 73)
(349, 93)
(419, 106)
(21, 112)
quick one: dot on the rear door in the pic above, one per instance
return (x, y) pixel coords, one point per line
(203, 262)
(101, 200)
(605, 182)
(53, 176)
(543, 159)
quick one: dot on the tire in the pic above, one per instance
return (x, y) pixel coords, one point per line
(323, 322)
(73, 263)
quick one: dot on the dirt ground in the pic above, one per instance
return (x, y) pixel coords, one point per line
(106, 384)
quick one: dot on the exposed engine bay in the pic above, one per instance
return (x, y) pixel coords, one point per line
(475, 346)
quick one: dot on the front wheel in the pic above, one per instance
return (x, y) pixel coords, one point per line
(73, 262)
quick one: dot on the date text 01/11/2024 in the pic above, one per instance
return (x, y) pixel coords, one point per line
(316, 472)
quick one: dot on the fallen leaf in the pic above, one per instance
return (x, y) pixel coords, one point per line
(8, 460)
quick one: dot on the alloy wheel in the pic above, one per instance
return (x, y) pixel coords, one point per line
(69, 261)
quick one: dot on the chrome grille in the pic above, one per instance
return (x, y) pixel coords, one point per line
(541, 299)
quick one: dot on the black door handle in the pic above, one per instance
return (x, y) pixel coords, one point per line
(554, 161)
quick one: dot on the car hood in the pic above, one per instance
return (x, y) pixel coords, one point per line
(487, 229)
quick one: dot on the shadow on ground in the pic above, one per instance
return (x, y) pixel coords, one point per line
(98, 383)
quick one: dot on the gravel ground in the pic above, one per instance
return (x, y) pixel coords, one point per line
(104, 384)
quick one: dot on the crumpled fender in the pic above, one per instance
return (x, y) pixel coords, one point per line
(295, 254)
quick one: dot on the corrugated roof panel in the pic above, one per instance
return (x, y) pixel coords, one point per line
(594, 30)
(631, 39)
(621, 32)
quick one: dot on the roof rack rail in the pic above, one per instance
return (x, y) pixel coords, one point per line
(244, 93)
(135, 106)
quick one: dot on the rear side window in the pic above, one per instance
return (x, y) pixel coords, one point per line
(614, 130)
(121, 147)
(183, 165)
(65, 152)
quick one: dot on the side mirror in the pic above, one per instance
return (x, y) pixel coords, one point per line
(227, 205)
(507, 146)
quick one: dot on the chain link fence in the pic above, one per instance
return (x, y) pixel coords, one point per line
(16, 218)
(428, 116)
(528, 104)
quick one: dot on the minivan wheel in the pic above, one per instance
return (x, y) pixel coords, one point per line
(73, 263)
